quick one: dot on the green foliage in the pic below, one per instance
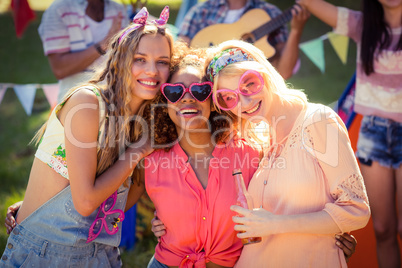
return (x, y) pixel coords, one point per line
(23, 62)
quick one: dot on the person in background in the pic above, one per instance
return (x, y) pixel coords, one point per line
(75, 35)
(81, 177)
(285, 43)
(308, 186)
(377, 33)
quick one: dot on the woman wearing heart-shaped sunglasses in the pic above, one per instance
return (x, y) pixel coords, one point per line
(82, 173)
(190, 181)
(308, 187)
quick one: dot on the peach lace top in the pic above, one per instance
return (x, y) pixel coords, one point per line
(314, 169)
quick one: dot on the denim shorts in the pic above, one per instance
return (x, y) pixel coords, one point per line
(380, 140)
(25, 249)
(154, 263)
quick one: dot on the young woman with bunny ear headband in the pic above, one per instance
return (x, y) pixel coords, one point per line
(81, 176)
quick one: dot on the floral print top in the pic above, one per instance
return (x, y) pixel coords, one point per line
(52, 149)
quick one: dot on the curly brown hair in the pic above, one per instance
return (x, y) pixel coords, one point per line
(163, 129)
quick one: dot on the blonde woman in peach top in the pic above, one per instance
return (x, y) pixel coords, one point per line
(308, 186)
(193, 196)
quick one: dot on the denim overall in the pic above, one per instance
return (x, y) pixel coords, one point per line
(55, 236)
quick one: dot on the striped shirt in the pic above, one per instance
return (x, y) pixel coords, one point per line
(64, 28)
(380, 93)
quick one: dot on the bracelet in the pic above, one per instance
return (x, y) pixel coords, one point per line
(99, 49)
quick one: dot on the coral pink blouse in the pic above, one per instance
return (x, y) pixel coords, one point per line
(313, 170)
(199, 226)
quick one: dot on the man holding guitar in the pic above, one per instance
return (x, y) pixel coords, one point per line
(238, 14)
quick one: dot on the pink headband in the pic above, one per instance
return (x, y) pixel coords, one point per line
(140, 20)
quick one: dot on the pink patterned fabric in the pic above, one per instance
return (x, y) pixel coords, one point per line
(163, 18)
(380, 93)
(313, 170)
(140, 20)
(107, 218)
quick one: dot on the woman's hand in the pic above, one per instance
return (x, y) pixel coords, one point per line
(254, 223)
(140, 148)
(260, 222)
(158, 228)
(115, 28)
(300, 16)
(347, 243)
(10, 216)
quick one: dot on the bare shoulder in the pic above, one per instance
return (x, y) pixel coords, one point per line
(83, 103)
(83, 96)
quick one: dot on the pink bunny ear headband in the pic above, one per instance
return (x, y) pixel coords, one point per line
(140, 20)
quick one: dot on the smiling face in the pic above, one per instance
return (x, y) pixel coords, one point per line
(188, 113)
(150, 66)
(248, 106)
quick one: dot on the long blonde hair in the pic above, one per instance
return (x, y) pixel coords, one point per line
(114, 82)
(274, 82)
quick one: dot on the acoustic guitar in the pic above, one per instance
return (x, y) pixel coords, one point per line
(251, 27)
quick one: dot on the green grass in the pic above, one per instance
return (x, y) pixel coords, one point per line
(22, 61)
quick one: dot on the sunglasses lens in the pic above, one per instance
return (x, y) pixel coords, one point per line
(251, 83)
(173, 93)
(201, 92)
(226, 99)
(109, 203)
(96, 227)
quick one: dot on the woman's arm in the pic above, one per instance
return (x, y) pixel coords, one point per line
(80, 117)
(260, 222)
(137, 189)
(325, 11)
(289, 52)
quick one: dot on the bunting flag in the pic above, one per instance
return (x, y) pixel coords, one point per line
(3, 89)
(23, 14)
(314, 50)
(51, 91)
(26, 95)
(340, 43)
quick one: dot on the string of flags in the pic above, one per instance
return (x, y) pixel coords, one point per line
(26, 94)
(314, 50)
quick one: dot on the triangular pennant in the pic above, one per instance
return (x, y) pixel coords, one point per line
(26, 95)
(23, 14)
(340, 43)
(314, 50)
(51, 91)
(3, 88)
